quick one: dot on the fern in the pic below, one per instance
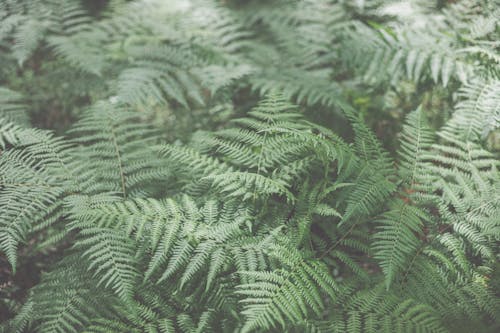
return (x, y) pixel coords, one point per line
(110, 256)
(397, 238)
(13, 107)
(273, 135)
(477, 114)
(249, 166)
(282, 296)
(33, 178)
(109, 140)
(151, 78)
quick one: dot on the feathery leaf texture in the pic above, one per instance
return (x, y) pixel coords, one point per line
(249, 166)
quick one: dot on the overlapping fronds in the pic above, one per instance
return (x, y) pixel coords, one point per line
(249, 166)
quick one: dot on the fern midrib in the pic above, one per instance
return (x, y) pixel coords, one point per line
(116, 266)
(31, 185)
(417, 150)
(274, 296)
(61, 313)
(397, 241)
(118, 157)
(332, 247)
(496, 198)
(259, 161)
(20, 214)
(474, 111)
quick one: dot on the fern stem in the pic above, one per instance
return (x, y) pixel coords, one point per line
(120, 163)
(337, 242)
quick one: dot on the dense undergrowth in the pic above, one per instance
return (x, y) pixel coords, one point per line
(249, 166)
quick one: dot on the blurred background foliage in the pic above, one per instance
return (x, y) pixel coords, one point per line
(384, 57)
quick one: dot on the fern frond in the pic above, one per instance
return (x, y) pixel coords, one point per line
(113, 140)
(397, 239)
(110, 254)
(159, 72)
(285, 296)
(10, 133)
(416, 140)
(33, 176)
(63, 301)
(451, 297)
(398, 54)
(367, 195)
(246, 184)
(374, 311)
(13, 107)
(478, 113)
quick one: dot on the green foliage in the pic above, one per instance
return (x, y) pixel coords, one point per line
(202, 166)
(12, 107)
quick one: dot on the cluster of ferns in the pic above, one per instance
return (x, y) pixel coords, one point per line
(212, 166)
